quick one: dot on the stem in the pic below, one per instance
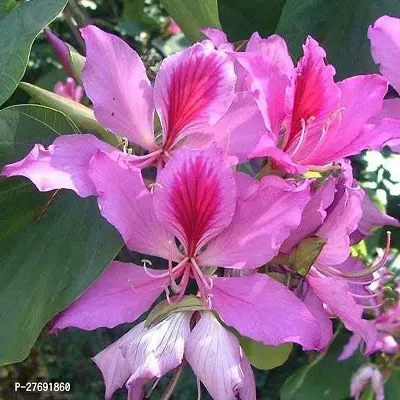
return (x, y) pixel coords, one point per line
(172, 385)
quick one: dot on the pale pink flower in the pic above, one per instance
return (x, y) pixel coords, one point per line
(70, 90)
(173, 27)
(364, 375)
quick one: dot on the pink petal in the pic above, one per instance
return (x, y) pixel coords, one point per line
(126, 203)
(215, 356)
(64, 165)
(193, 89)
(316, 308)
(69, 90)
(153, 352)
(248, 390)
(274, 49)
(197, 196)
(218, 38)
(362, 98)
(260, 224)
(114, 368)
(384, 35)
(121, 294)
(335, 293)
(372, 217)
(390, 109)
(115, 80)
(350, 347)
(255, 304)
(316, 96)
(342, 220)
(239, 130)
(313, 215)
(269, 84)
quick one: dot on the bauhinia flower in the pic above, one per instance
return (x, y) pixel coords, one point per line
(311, 120)
(192, 92)
(384, 35)
(219, 218)
(210, 349)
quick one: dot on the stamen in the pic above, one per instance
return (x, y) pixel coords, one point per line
(302, 138)
(153, 386)
(367, 271)
(207, 284)
(167, 295)
(209, 302)
(385, 301)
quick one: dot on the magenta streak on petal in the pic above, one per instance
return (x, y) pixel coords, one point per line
(195, 209)
(187, 103)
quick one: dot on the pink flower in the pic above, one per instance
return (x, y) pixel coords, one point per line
(384, 35)
(173, 28)
(192, 91)
(219, 218)
(311, 120)
(69, 90)
(336, 284)
(212, 351)
(364, 375)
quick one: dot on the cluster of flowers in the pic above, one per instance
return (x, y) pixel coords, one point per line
(243, 193)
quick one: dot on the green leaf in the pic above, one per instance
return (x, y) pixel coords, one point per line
(265, 357)
(392, 386)
(163, 310)
(193, 15)
(240, 19)
(324, 377)
(81, 115)
(50, 252)
(22, 126)
(18, 30)
(341, 29)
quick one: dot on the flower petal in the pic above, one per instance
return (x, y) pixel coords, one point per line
(362, 98)
(64, 165)
(260, 224)
(350, 347)
(126, 203)
(215, 356)
(384, 35)
(372, 217)
(274, 49)
(255, 304)
(114, 368)
(60, 49)
(152, 352)
(239, 130)
(313, 215)
(343, 217)
(121, 294)
(197, 196)
(316, 308)
(335, 293)
(193, 89)
(316, 96)
(218, 39)
(115, 80)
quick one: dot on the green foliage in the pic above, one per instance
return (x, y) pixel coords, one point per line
(265, 357)
(20, 26)
(49, 252)
(240, 19)
(193, 15)
(340, 28)
(324, 377)
(82, 116)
